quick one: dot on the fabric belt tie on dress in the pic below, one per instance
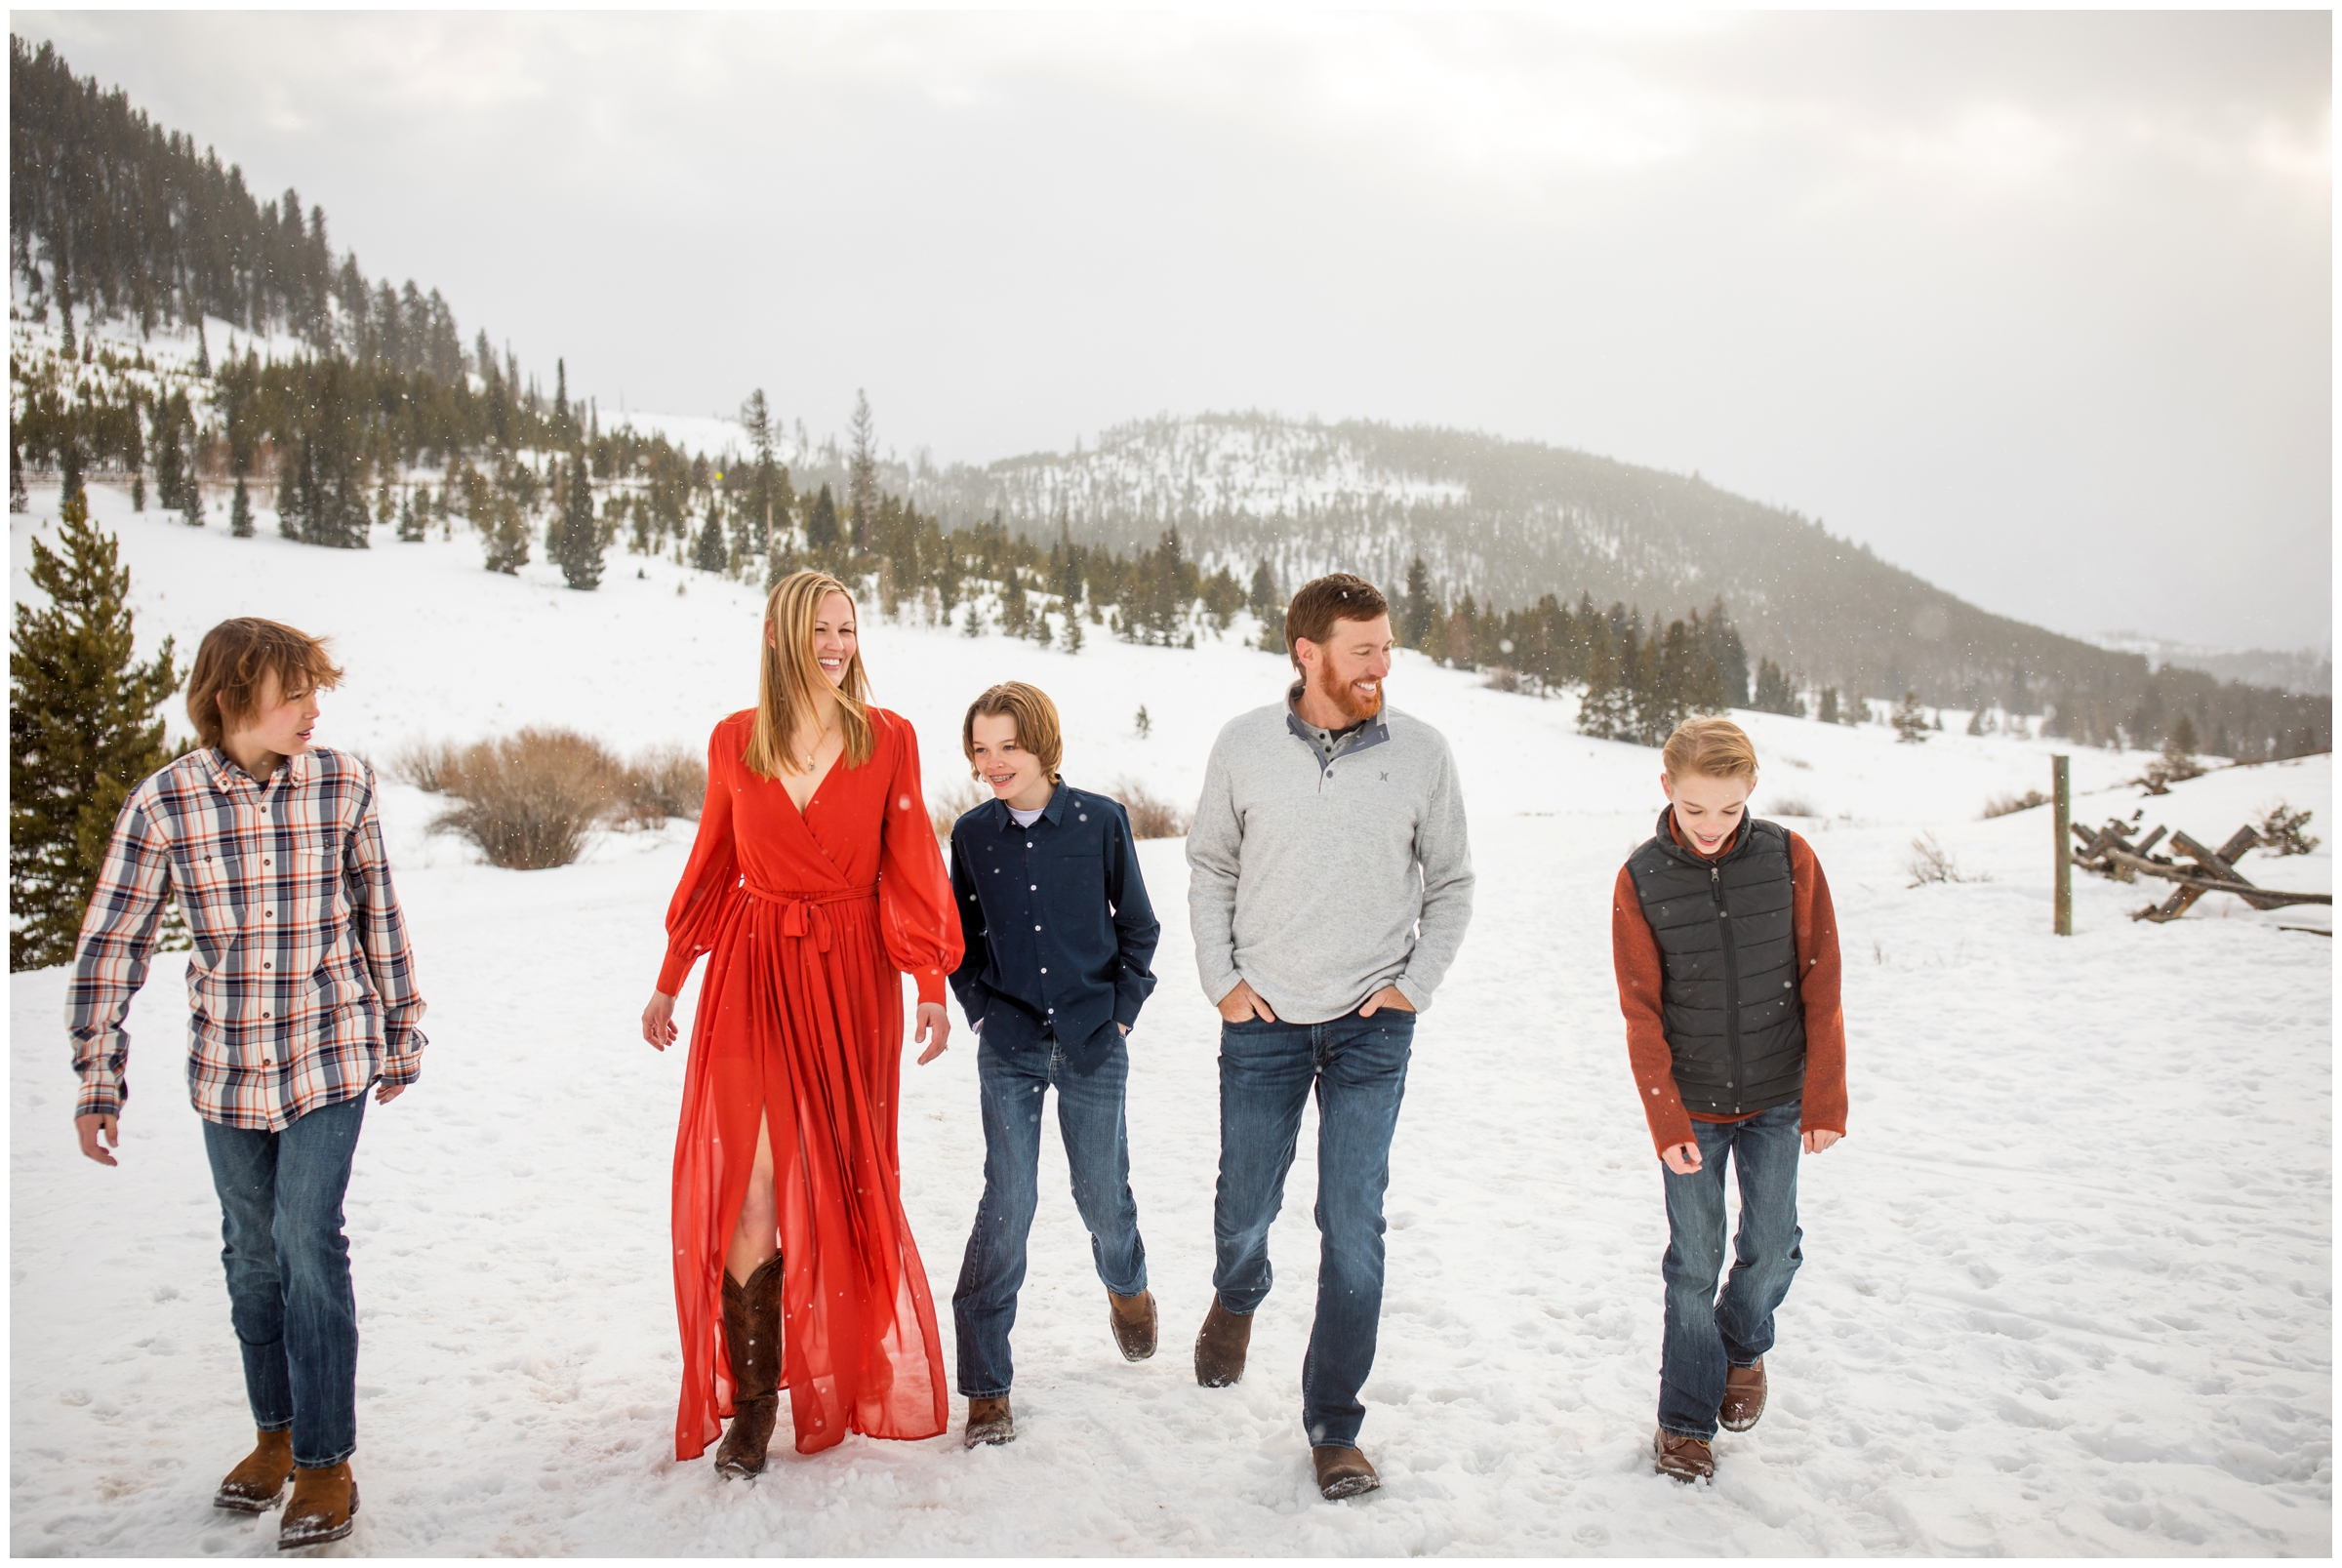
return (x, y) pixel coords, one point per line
(805, 915)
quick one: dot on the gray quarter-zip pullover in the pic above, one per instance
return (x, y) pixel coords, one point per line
(1324, 865)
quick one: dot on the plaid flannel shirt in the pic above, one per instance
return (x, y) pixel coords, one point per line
(302, 987)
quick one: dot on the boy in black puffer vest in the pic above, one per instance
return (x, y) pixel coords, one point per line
(1726, 951)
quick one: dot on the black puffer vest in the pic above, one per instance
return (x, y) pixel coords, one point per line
(1728, 936)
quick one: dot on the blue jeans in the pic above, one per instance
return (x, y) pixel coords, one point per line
(1706, 1331)
(1089, 1115)
(288, 1274)
(1357, 1069)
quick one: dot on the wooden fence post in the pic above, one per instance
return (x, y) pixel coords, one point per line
(2060, 794)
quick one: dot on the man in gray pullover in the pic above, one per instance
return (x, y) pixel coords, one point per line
(1329, 885)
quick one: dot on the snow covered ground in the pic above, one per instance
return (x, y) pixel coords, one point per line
(2067, 1289)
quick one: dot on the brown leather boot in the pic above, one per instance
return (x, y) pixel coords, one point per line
(1221, 1345)
(1343, 1472)
(1132, 1318)
(258, 1482)
(1686, 1459)
(752, 1340)
(324, 1508)
(1744, 1397)
(989, 1422)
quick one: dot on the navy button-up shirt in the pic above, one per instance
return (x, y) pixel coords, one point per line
(1057, 926)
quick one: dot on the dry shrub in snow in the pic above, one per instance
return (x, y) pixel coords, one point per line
(1929, 862)
(2003, 805)
(1151, 816)
(663, 782)
(951, 805)
(2281, 830)
(1503, 678)
(1793, 806)
(531, 800)
(428, 765)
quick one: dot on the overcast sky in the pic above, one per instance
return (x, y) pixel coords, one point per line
(2038, 307)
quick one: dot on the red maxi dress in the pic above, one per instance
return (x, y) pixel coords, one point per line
(808, 921)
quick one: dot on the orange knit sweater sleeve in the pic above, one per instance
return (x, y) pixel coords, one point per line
(1634, 954)
(1825, 1107)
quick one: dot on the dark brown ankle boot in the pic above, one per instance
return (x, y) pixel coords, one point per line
(258, 1482)
(1343, 1472)
(989, 1422)
(1686, 1459)
(324, 1508)
(1744, 1397)
(1132, 1318)
(752, 1340)
(1221, 1346)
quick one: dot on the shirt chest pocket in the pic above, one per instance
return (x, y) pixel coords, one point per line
(209, 885)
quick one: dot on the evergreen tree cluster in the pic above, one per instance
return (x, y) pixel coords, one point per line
(1640, 680)
(82, 731)
(112, 215)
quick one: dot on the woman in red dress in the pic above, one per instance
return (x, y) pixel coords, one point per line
(815, 883)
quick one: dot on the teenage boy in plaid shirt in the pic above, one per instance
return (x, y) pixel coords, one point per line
(303, 991)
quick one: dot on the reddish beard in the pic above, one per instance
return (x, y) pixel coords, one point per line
(1345, 696)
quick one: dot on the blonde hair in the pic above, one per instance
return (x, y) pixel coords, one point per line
(1035, 717)
(224, 690)
(1715, 746)
(784, 685)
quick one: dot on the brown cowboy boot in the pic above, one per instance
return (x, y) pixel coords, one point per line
(1343, 1472)
(324, 1508)
(989, 1422)
(1132, 1318)
(258, 1482)
(1686, 1459)
(752, 1340)
(1744, 1397)
(1221, 1345)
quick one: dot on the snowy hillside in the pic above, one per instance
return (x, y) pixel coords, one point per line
(2066, 1284)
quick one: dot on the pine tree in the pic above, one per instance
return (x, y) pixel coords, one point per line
(1979, 722)
(239, 512)
(1827, 713)
(288, 493)
(580, 553)
(862, 473)
(1605, 711)
(69, 468)
(81, 729)
(506, 531)
(17, 501)
(1072, 638)
(191, 490)
(170, 462)
(203, 350)
(1011, 605)
(1419, 611)
(821, 523)
(712, 554)
(133, 455)
(1263, 596)
(1911, 720)
(1777, 691)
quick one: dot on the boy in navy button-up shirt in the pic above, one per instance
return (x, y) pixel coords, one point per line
(1059, 934)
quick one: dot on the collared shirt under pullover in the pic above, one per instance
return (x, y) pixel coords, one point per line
(302, 986)
(1328, 865)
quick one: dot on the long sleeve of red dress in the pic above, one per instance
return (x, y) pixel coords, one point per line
(710, 882)
(809, 919)
(917, 910)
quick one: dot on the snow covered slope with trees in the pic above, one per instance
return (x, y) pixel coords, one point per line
(2066, 1284)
